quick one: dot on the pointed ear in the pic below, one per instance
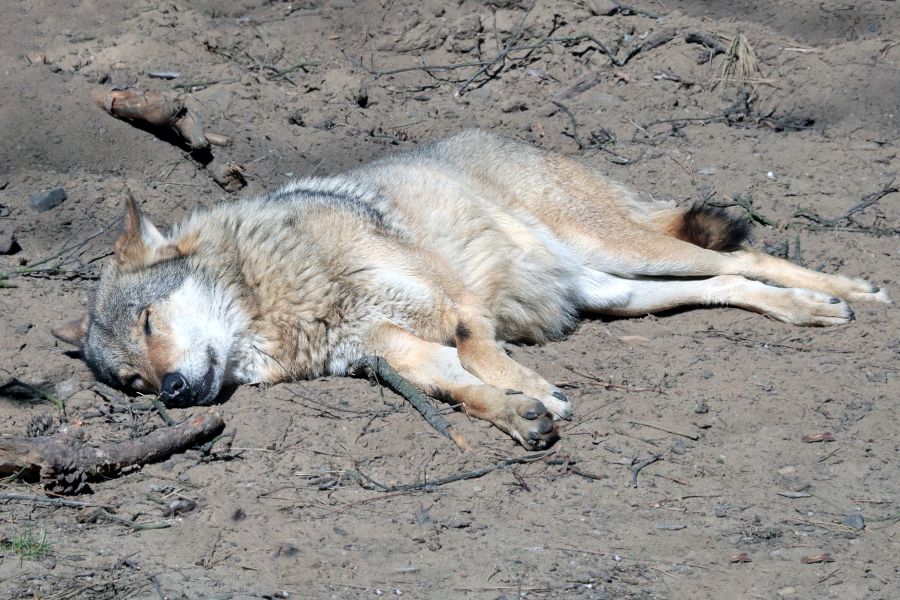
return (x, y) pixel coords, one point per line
(72, 332)
(140, 243)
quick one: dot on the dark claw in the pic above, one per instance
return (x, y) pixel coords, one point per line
(833, 300)
(875, 289)
(545, 425)
(560, 396)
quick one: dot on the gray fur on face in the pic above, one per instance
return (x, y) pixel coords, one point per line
(121, 297)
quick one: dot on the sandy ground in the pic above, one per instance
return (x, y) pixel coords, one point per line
(723, 396)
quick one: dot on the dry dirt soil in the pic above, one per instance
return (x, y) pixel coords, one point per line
(737, 503)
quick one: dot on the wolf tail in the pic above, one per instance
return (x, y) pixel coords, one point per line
(706, 226)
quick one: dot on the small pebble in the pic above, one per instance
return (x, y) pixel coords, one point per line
(604, 8)
(771, 175)
(23, 328)
(670, 526)
(163, 74)
(854, 520)
(48, 199)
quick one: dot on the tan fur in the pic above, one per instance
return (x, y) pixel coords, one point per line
(431, 259)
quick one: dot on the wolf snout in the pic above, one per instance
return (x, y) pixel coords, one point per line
(175, 388)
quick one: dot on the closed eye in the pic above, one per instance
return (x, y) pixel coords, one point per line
(147, 328)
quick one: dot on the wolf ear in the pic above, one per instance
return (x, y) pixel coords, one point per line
(140, 243)
(72, 332)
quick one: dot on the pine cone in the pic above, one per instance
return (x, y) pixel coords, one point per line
(40, 425)
(65, 480)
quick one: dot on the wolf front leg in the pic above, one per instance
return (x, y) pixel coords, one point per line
(480, 354)
(436, 370)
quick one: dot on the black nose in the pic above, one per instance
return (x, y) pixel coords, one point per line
(175, 387)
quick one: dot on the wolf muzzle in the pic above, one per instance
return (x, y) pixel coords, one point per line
(175, 389)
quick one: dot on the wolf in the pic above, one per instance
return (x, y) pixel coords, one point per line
(429, 259)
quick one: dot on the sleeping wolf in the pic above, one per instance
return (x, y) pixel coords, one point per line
(429, 259)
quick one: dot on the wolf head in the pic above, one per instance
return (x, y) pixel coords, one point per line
(159, 323)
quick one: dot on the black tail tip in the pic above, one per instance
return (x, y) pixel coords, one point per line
(712, 227)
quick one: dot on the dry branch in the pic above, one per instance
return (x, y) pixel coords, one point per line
(379, 369)
(156, 110)
(64, 462)
(369, 483)
(713, 45)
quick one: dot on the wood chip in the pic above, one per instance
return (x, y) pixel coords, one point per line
(743, 557)
(795, 494)
(217, 139)
(817, 558)
(814, 438)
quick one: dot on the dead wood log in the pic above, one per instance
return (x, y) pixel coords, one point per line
(154, 109)
(65, 462)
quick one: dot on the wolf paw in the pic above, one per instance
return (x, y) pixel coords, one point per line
(809, 308)
(860, 290)
(531, 425)
(870, 293)
(558, 405)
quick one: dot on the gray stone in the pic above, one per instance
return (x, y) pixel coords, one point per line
(598, 99)
(8, 243)
(603, 8)
(48, 199)
(854, 520)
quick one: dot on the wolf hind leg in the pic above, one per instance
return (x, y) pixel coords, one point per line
(436, 370)
(634, 297)
(759, 265)
(650, 253)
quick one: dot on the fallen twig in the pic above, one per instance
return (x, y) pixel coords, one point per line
(690, 436)
(625, 9)
(660, 38)
(201, 84)
(508, 47)
(845, 221)
(278, 74)
(617, 159)
(746, 202)
(636, 468)
(65, 259)
(47, 500)
(161, 410)
(713, 45)
(101, 514)
(370, 483)
(379, 368)
(614, 386)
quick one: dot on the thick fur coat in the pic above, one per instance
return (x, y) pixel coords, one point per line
(428, 259)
